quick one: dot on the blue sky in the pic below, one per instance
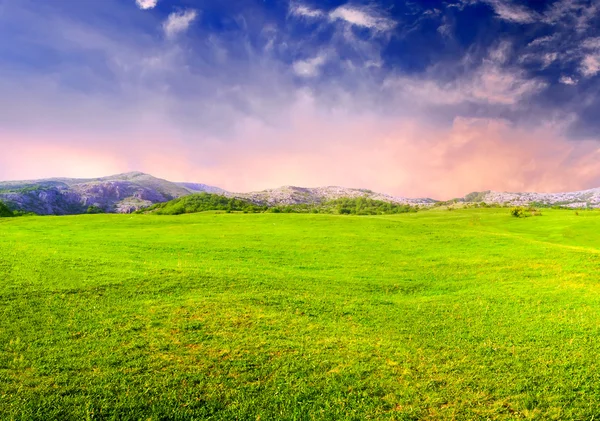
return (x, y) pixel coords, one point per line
(419, 98)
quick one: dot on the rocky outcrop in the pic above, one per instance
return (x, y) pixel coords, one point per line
(578, 199)
(291, 195)
(122, 193)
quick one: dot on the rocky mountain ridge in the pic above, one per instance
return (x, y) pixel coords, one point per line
(125, 193)
(292, 195)
(121, 193)
(578, 199)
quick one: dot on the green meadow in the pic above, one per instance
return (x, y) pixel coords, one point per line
(436, 315)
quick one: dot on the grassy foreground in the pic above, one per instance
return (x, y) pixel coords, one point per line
(469, 314)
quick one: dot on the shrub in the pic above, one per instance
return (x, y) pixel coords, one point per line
(517, 212)
(534, 211)
(94, 209)
(5, 211)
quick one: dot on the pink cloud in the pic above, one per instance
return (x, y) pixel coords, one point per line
(405, 157)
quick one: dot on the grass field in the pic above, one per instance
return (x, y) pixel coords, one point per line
(469, 314)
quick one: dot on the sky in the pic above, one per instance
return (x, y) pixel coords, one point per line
(412, 98)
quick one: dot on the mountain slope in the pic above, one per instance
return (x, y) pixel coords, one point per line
(201, 188)
(291, 195)
(121, 193)
(124, 193)
(577, 199)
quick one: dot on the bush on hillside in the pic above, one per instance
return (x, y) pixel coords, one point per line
(213, 202)
(5, 211)
(94, 209)
(521, 212)
(203, 202)
(517, 212)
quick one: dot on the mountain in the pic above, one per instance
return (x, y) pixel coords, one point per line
(201, 188)
(291, 195)
(578, 199)
(124, 193)
(121, 193)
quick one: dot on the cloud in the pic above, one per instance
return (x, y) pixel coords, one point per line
(178, 22)
(512, 12)
(492, 82)
(567, 80)
(310, 67)
(590, 65)
(543, 40)
(366, 17)
(548, 59)
(362, 16)
(230, 108)
(146, 4)
(572, 14)
(303, 11)
(488, 85)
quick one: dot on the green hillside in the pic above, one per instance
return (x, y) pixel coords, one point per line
(5, 211)
(469, 314)
(202, 202)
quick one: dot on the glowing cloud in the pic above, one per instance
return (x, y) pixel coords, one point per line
(178, 22)
(366, 17)
(310, 67)
(590, 65)
(511, 12)
(314, 97)
(303, 11)
(146, 4)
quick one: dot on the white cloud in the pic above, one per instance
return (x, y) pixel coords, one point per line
(512, 12)
(548, 59)
(305, 11)
(490, 83)
(590, 65)
(178, 22)
(572, 14)
(146, 4)
(363, 16)
(542, 40)
(310, 67)
(567, 80)
(592, 43)
(366, 17)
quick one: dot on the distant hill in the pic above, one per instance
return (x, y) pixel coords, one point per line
(200, 202)
(201, 188)
(578, 199)
(291, 195)
(125, 193)
(121, 193)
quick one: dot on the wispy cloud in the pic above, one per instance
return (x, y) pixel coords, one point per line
(567, 80)
(309, 67)
(303, 11)
(512, 12)
(278, 101)
(146, 4)
(580, 15)
(492, 82)
(178, 22)
(590, 65)
(366, 17)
